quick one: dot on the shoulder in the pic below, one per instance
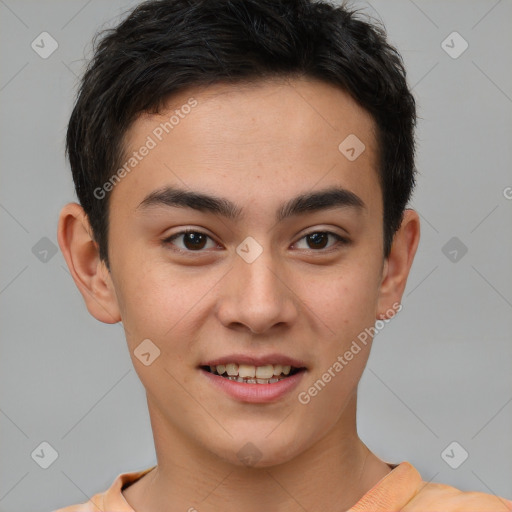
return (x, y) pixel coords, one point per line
(91, 506)
(433, 497)
(403, 489)
(112, 499)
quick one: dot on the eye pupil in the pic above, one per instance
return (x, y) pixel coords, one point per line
(195, 239)
(316, 238)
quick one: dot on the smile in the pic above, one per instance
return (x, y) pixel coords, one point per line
(250, 374)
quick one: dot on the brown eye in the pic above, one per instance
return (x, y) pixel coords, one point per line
(191, 241)
(318, 240)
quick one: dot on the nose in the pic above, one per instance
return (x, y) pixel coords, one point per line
(258, 296)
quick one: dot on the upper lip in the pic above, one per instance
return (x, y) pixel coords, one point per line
(260, 360)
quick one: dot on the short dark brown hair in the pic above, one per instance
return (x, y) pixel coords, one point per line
(165, 46)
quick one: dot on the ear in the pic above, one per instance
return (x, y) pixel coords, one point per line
(90, 274)
(398, 264)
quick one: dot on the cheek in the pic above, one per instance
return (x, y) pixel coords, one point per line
(346, 300)
(163, 304)
(155, 307)
(149, 298)
(346, 305)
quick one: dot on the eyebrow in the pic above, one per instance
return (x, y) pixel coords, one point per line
(332, 197)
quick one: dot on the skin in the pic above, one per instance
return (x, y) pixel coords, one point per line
(257, 146)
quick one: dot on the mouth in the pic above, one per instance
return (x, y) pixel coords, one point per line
(252, 374)
(260, 379)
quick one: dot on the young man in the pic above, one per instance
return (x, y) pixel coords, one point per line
(243, 169)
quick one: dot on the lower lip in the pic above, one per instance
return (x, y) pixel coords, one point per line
(255, 393)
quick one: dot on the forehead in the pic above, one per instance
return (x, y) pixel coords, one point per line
(275, 135)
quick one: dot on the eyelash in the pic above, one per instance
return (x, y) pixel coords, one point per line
(341, 241)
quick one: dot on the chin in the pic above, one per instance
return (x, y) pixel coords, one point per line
(261, 450)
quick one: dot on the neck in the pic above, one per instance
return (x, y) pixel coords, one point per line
(333, 474)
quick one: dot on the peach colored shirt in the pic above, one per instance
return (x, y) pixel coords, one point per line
(400, 490)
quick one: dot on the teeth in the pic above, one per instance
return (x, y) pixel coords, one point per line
(231, 368)
(246, 370)
(251, 374)
(256, 381)
(264, 372)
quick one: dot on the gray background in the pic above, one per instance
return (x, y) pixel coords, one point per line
(438, 373)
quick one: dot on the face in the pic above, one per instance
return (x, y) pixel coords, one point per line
(262, 282)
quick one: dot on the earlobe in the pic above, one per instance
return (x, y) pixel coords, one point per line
(398, 264)
(88, 271)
